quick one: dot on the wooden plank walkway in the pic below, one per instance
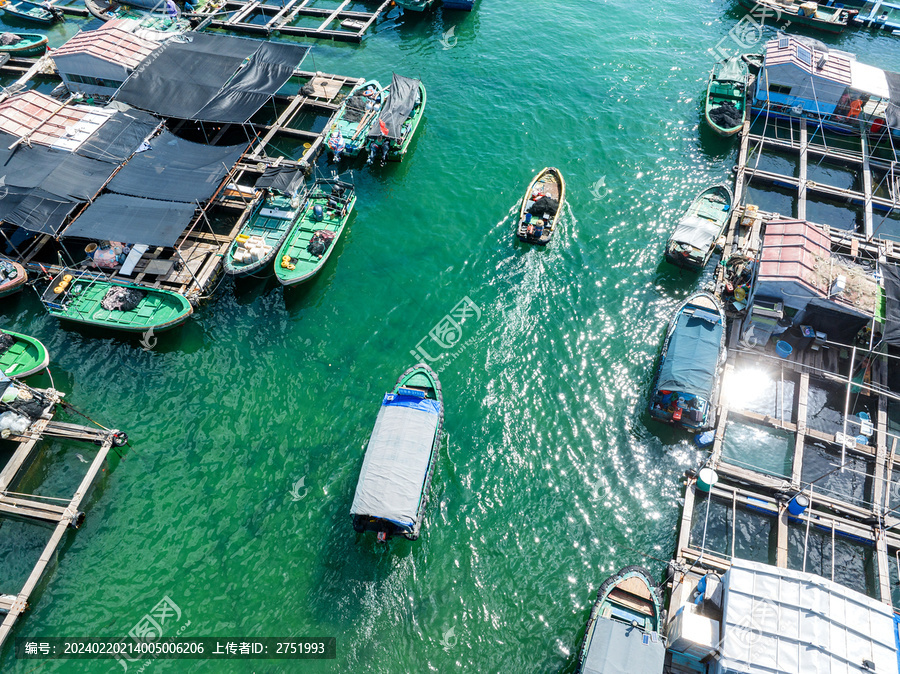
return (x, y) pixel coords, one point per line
(35, 508)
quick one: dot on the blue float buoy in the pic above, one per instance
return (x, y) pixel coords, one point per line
(798, 505)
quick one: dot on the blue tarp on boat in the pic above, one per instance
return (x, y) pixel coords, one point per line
(616, 648)
(693, 355)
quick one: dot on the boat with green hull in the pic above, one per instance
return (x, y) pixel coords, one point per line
(31, 12)
(622, 633)
(725, 105)
(21, 355)
(23, 44)
(354, 119)
(396, 473)
(694, 239)
(93, 299)
(316, 231)
(263, 234)
(400, 116)
(826, 17)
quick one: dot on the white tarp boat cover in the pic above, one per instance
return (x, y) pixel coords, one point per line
(697, 232)
(617, 648)
(780, 621)
(397, 460)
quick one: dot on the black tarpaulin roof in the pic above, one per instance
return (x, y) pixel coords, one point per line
(40, 186)
(175, 169)
(400, 102)
(119, 136)
(122, 218)
(283, 178)
(211, 78)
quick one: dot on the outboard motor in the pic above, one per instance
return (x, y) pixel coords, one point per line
(318, 213)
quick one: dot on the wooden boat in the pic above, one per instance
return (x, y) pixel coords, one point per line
(315, 232)
(725, 106)
(688, 381)
(23, 356)
(29, 44)
(262, 236)
(694, 239)
(542, 207)
(806, 13)
(31, 12)
(350, 130)
(400, 457)
(398, 119)
(415, 5)
(12, 277)
(84, 297)
(622, 633)
(465, 5)
(754, 62)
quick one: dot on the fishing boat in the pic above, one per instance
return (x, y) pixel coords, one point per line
(831, 19)
(315, 232)
(32, 12)
(622, 632)
(93, 299)
(21, 355)
(415, 5)
(275, 215)
(725, 107)
(694, 239)
(399, 463)
(465, 5)
(690, 368)
(541, 207)
(350, 130)
(12, 277)
(23, 44)
(400, 115)
(754, 62)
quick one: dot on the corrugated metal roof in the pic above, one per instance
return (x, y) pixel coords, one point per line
(109, 43)
(48, 121)
(836, 66)
(793, 250)
(780, 621)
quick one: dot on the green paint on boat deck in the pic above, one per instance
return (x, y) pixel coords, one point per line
(306, 265)
(356, 134)
(272, 220)
(25, 357)
(158, 309)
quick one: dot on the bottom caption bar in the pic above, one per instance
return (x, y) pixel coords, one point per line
(205, 648)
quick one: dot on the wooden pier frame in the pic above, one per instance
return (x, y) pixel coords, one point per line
(35, 508)
(278, 19)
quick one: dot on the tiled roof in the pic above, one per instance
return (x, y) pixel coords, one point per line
(64, 127)
(787, 49)
(110, 43)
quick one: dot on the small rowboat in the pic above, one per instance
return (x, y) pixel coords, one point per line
(262, 236)
(689, 379)
(622, 632)
(22, 357)
(32, 12)
(28, 44)
(542, 207)
(725, 107)
(316, 231)
(400, 115)
(354, 119)
(93, 299)
(694, 239)
(12, 277)
(399, 463)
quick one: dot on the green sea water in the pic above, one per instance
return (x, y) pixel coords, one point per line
(248, 424)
